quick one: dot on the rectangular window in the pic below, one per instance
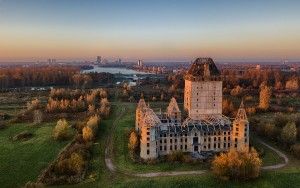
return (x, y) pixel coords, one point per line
(170, 140)
(148, 152)
(185, 146)
(148, 144)
(171, 148)
(148, 133)
(148, 138)
(165, 148)
(175, 147)
(160, 148)
(165, 141)
(175, 140)
(224, 145)
(208, 146)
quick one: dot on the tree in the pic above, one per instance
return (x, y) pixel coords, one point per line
(33, 105)
(264, 97)
(133, 143)
(61, 130)
(236, 91)
(292, 84)
(228, 107)
(87, 134)
(37, 117)
(237, 165)
(93, 123)
(289, 133)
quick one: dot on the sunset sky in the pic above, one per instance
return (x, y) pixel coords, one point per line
(152, 30)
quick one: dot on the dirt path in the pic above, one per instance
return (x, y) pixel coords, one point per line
(112, 167)
(273, 167)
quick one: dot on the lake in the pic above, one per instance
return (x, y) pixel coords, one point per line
(113, 70)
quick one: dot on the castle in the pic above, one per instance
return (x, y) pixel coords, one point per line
(205, 131)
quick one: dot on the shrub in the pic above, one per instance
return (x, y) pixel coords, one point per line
(176, 156)
(76, 163)
(280, 120)
(296, 150)
(289, 133)
(61, 130)
(237, 165)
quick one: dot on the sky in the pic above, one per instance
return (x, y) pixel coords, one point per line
(152, 30)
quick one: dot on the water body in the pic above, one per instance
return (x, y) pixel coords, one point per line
(113, 70)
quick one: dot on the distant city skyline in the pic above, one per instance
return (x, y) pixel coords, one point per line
(74, 30)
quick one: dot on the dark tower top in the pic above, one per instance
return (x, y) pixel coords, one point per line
(203, 69)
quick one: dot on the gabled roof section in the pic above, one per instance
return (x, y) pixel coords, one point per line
(141, 104)
(203, 69)
(151, 118)
(173, 106)
(241, 114)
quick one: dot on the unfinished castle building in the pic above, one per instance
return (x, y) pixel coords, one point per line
(205, 130)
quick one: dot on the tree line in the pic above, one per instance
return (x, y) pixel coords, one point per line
(38, 76)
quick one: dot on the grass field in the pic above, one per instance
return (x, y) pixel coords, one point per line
(22, 161)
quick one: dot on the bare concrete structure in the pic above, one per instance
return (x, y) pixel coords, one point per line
(205, 131)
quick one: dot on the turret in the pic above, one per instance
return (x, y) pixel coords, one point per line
(139, 113)
(240, 132)
(173, 111)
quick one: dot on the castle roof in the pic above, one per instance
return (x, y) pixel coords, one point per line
(203, 69)
(173, 106)
(241, 114)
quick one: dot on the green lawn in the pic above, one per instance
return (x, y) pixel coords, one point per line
(268, 157)
(22, 161)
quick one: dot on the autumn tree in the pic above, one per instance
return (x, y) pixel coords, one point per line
(236, 91)
(33, 105)
(87, 134)
(264, 97)
(237, 165)
(227, 106)
(37, 116)
(61, 130)
(133, 144)
(289, 133)
(292, 84)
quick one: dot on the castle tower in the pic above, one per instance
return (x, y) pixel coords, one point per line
(203, 89)
(148, 141)
(240, 129)
(173, 110)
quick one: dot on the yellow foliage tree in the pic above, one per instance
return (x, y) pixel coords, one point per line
(237, 165)
(264, 97)
(87, 134)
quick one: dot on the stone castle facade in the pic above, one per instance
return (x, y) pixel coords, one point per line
(205, 131)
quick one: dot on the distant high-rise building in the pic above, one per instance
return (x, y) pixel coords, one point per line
(99, 60)
(140, 63)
